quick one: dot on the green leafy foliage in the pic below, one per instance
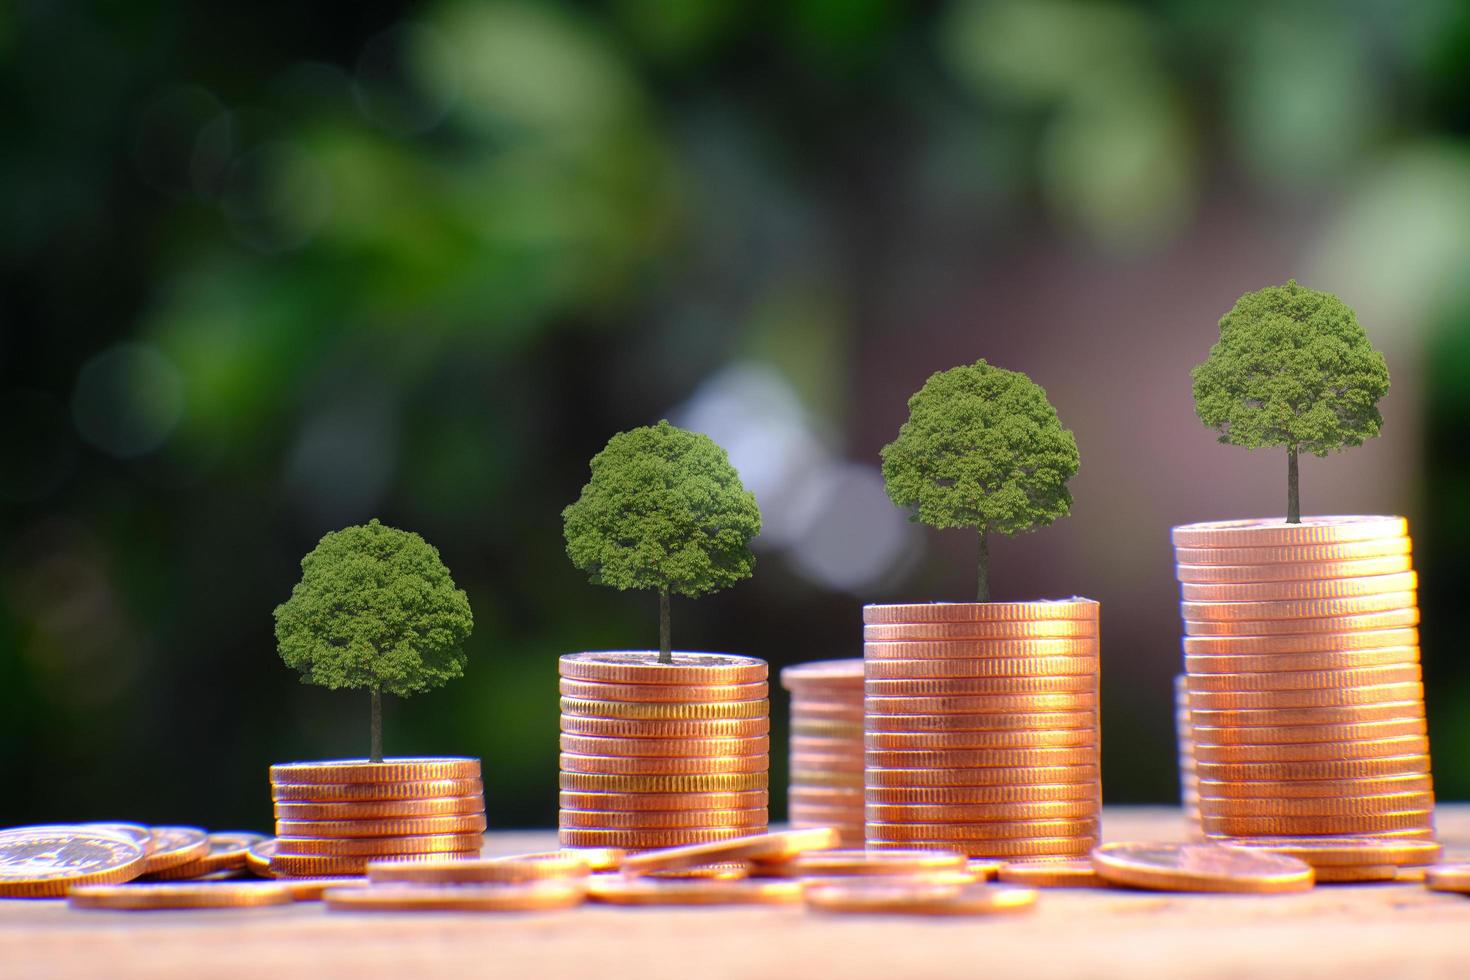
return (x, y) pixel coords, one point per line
(377, 609)
(664, 510)
(1292, 368)
(982, 448)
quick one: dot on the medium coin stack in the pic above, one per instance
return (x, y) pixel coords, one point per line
(826, 787)
(662, 754)
(333, 817)
(1188, 779)
(982, 728)
(1305, 691)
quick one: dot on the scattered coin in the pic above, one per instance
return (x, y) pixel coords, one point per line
(1322, 852)
(920, 899)
(834, 863)
(48, 861)
(1199, 868)
(175, 846)
(693, 891)
(1448, 878)
(763, 847)
(537, 897)
(179, 895)
(1051, 874)
(227, 852)
(499, 870)
(258, 857)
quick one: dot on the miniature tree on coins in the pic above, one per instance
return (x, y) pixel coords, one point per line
(375, 608)
(664, 510)
(1292, 368)
(982, 448)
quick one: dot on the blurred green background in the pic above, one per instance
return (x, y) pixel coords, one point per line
(269, 269)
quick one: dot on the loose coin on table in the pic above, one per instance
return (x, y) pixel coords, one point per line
(834, 863)
(1448, 878)
(761, 847)
(258, 857)
(50, 860)
(1322, 852)
(535, 897)
(1051, 874)
(180, 895)
(620, 890)
(1200, 868)
(175, 846)
(227, 852)
(501, 870)
(919, 899)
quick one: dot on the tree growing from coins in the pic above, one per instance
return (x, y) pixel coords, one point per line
(375, 609)
(982, 449)
(1292, 369)
(664, 510)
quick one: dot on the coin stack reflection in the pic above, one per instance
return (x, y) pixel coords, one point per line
(662, 754)
(332, 818)
(1188, 780)
(826, 786)
(982, 728)
(1305, 690)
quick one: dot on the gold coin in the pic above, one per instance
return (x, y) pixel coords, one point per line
(980, 612)
(443, 806)
(986, 795)
(1373, 824)
(762, 847)
(982, 723)
(1008, 830)
(175, 846)
(325, 865)
(1310, 589)
(1302, 662)
(515, 869)
(1305, 680)
(1324, 852)
(828, 729)
(1060, 738)
(842, 863)
(1338, 769)
(1004, 850)
(655, 729)
(1352, 714)
(661, 693)
(1293, 571)
(226, 852)
(1300, 643)
(179, 895)
(663, 819)
(644, 839)
(666, 711)
(1312, 751)
(1296, 554)
(981, 651)
(1275, 533)
(668, 747)
(1315, 788)
(1000, 675)
(1283, 734)
(362, 771)
(822, 673)
(999, 630)
(258, 857)
(634, 802)
(940, 697)
(1051, 874)
(971, 776)
(1448, 878)
(375, 846)
(1319, 807)
(1262, 628)
(919, 899)
(979, 812)
(539, 896)
(631, 766)
(1200, 868)
(48, 861)
(396, 827)
(643, 667)
(618, 890)
(374, 792)
(1235, 612)
(1320, 698)
(982, 758)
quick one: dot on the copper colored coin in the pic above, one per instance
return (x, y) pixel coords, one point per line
(1448, 878)
(1305, 680)
(1033, 721)
(665, 747)
(374, 792)
(665, 711)
(1296, 554)
(985, 795)
(693, 891)
(175, 846)
(443, 806)
(516, 869)
(846, 709)
(631, 766)
(1012, 691)
(1349, 769)
(1314, 588)
(1235, 612)
(312, 889)
(48, 861)
(820, 745)
(830, 795)
(1312, 751)
(258, 857)
(984, 758)
(634, 802)
(843, 863)
(135, 832)
(1322, 852)
(828, 729)
(473, 823)
(539, 896)
(980, 612)
(1357, 875)
(762, 847)
(887, 697)
(326, 865)
(989, 831)
(1032, 848)
(375, 846)
(1283, 734)
(979, 812)
(645, 839)
(1199, 868)
(1045, 675)
(661, 693)
(179, 895)
(1276, 533)
(1051, 874)
(1016, 629)
(1346, 806)
(1037, 739)
(821, 673)
(1373, 824)
(972, 776)
(227, 852)
(1329, 698)
(643, 667)
(1336, 715)
(1261, 628)
(659, 819)
(919, 899)
(1315, 788)
(653, 730)
(987, 652)
(362, 771)
(1285, 663)
(1294, 571)
(832, 779)
(1300, 644)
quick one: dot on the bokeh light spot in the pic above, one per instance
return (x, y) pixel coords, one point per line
(128, 399)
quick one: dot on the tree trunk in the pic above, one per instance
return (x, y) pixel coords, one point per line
(1293, 489)
(665, 632)
(377, 727)
(982, 593)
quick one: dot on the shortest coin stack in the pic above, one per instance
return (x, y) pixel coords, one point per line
(334, 817)
(826, 788)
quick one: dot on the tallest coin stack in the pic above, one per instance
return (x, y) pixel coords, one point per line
(1305, 692)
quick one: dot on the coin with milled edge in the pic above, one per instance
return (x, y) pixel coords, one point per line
(1312, 751)
(446, 806)
(1315, 788)
(668, 747)
(973, 776)
(1321, 698)
(1300, 680)
(980, 612)
(258, 857)
(1235, 612)
(1200, 868)
(534, 897)
(175, 846)
(633, 802)
(1280, 735)
(323, 865)
(837, 863)
(1036, 739)
(1016, 629)
(1357, 874)
(645, 839)
(179, 895)
(653, 729)
(670, 711)
(376, 846)
(1051, 874)
(48, 861)
(1297, 554)
(664, 819)
(396, 827)
(979, 812)
(1321, 588)
(1033, 721)
(572, 763)
(1276, 533)
(992, 831)
(992, 653)
(1005, 850)
(1338, 715)
(1321, 852)
(661, 693)
(1293, 571)
(1262, 628)
(762, 847)
(919, 899)
(1019, 793)
(514, 869)
(981, 758)
(618, 890)
(1300, 644)
(1343, 806)
(1341, 769)
(227, 851)
(1289, 663)
(1377, 823)
(373, 792)
(1448, 878)
(644, 667)
(364, 771)
(886, 697)
(1042, 675)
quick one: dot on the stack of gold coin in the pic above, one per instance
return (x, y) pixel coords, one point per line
(1188, 778)
(826, 788)
(982, 728)
(334, 817)
(662, 754)
(1305, 691)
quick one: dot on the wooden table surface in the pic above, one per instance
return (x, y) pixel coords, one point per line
(1340, 931)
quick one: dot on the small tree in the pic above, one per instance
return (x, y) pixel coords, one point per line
(664, 510)
(1292, 368)
(375, 608)
(982, 448)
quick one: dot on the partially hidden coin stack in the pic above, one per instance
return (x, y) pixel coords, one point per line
(1188, 779)
(982, 728)
(826, 784)
(662, 754)
(334, 817)
(1305, 691)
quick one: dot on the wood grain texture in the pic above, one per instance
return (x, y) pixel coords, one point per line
(1344, 931)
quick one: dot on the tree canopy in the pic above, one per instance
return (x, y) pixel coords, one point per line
(1292, 368)
(377, 609)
